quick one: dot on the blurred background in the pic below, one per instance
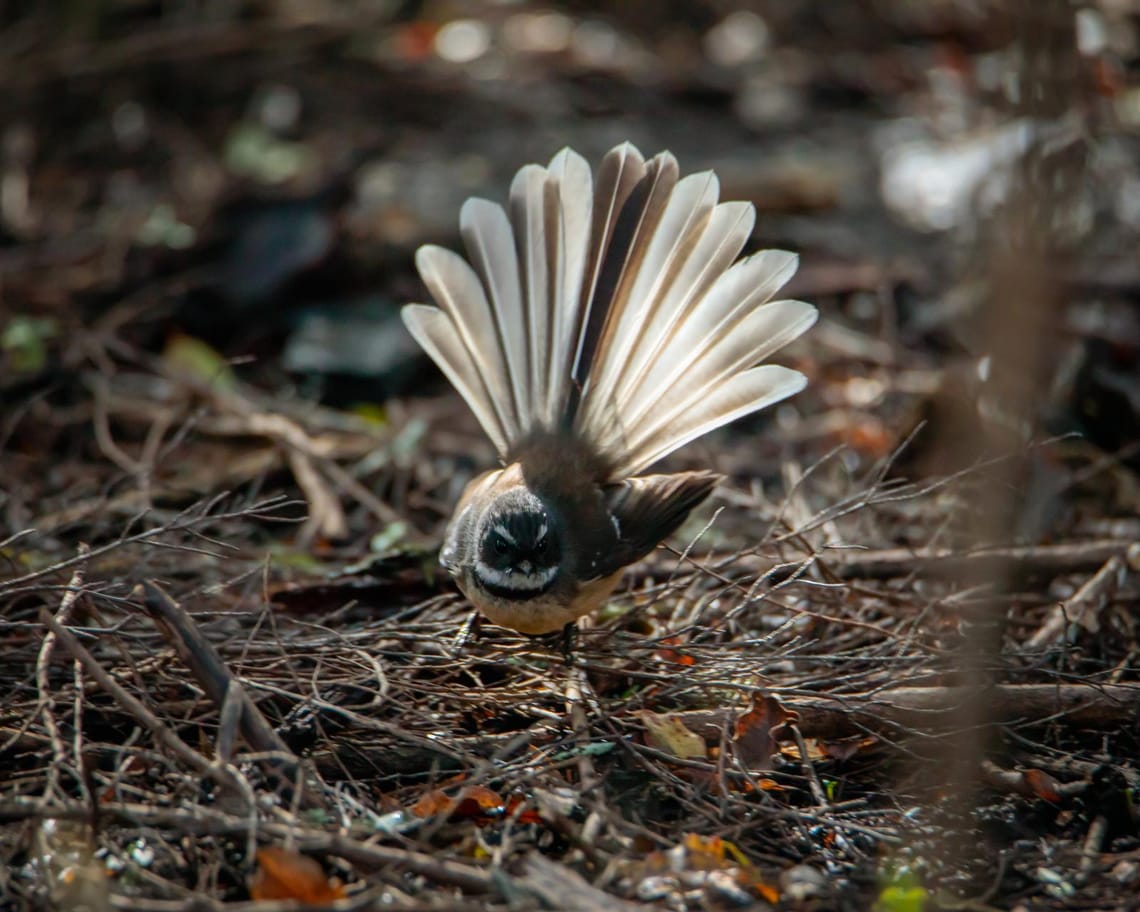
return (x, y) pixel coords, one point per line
(208, 216)
(256, 174)
(234, 190)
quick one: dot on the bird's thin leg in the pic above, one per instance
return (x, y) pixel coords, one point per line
(568, 640)
(468, 632)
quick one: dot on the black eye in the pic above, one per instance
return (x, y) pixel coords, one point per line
(500, 546)
(541, 546)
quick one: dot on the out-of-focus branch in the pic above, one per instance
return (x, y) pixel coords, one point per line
(1025, 246)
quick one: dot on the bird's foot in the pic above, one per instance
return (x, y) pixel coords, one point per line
(568, 641)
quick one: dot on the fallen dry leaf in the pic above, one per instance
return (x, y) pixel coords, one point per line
(846, 748)
(755, 733)
(284, 874)
(1032, 783)
(674, 656)
(437, 801)
(753, 784)
(668, 733)
(515, 809)
(711, 853)
(704, 856)
(1041, 785)
(474, 803)
(816, 751)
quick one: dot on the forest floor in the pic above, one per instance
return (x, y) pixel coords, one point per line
(892, 663)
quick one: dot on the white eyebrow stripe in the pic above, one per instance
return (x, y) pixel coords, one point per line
(542, 530)
(501, 530)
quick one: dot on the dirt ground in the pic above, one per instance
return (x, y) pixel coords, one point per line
(891, 664)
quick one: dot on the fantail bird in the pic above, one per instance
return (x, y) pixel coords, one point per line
(596, 328)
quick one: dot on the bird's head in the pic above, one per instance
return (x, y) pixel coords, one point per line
(520, 550)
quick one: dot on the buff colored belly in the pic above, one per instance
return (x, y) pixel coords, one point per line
(546, 613)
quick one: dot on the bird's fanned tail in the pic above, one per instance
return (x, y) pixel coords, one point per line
(613, 311)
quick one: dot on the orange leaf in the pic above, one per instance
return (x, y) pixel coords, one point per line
(478, 801)
(437, 801)
(414, 40)
(283, 874)
(676, 658)
(1041, 785)
(712, 853)
(755, 733)
(867, 436)
(673, 656)
(475, 802)
(764, 785)
(705, 853)
(526, 815)
(749, 878)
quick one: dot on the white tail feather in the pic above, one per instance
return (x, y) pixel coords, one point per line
(457, 290)
(438, 335)
(728, 229)
(573, 203)
(748, 285)
(528, 192)
(747, 392)
(490, 244)
(621, 170)
(614, 311)
(686, 211)
(722, 350)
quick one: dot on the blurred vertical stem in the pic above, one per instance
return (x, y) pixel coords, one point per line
(1021, 258)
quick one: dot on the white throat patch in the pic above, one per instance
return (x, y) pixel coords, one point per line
(535, 581)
